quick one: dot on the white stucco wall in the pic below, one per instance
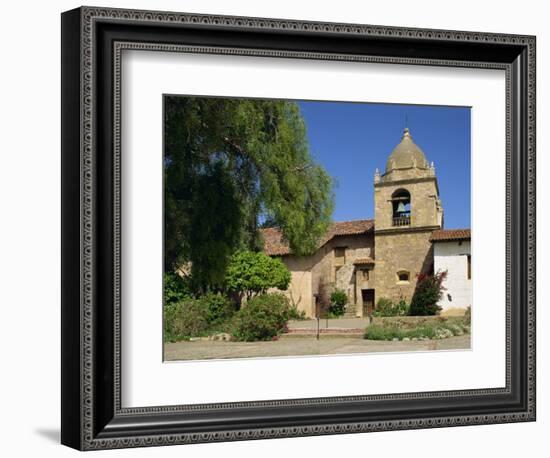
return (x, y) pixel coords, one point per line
(452, 256)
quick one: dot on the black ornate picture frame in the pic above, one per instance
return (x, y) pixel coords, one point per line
(92, 42)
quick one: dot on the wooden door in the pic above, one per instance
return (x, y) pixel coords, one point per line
(368, 301)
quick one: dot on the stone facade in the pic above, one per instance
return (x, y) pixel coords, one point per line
(314, 277)
(376, 259)
(425, 205)
(402, 253)
(402, 238)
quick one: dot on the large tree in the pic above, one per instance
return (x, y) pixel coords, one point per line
(229, 165)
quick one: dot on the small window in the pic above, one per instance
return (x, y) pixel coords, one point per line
(340, 255)
(403, 276)
(340, 252)
(469, 267)
(365, 274)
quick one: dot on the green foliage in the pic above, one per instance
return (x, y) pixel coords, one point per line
(338, 301)
(185, 319)
(192, 317)
(217, 308)
(339, 297)
(250, 273)
(226, 163)
(295, 314)
(428, 292)
(385, 307)
(397, 329)
(175, 287)
(262, 318)
(215, 227)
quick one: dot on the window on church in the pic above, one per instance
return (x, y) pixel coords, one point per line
(403, 276)
(340, 253)
(469, 267)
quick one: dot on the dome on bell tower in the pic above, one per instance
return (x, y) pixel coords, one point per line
(406, 155)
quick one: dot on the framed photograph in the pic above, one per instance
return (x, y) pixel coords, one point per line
(276, 228)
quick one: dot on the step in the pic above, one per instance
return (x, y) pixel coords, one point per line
(351, 312)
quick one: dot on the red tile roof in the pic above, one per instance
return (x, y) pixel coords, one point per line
(445, 235)
(274, 245)
(273, 242)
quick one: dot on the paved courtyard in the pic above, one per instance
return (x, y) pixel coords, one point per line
(303, 345)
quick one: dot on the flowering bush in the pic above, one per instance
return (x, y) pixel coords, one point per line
(428, 292)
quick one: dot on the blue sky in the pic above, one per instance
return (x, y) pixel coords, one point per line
(352, 139)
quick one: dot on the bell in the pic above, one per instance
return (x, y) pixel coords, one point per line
(401, 208)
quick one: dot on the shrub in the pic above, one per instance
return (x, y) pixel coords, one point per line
(175, 288)
(428, 292)
(192, 317)
(396, 329)
(251, 273)
(378, 332)
(338, 301)
(217, 308)
(185, 319)
(262, 318)
(381, 332)
(295, 314)
(456, 329)
(385, 307)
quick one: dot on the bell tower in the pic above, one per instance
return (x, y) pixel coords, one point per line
(407, 210)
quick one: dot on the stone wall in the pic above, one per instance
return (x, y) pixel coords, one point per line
(362, 283)
(406, 250)
(357, 247)
(316, 275)
(324, 276)
(424, 202)
(407, 173)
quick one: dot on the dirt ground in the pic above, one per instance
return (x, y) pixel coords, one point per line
(304, 345)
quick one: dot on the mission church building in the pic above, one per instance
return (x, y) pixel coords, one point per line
(380, 258)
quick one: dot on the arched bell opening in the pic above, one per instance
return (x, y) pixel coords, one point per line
(401, 205)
